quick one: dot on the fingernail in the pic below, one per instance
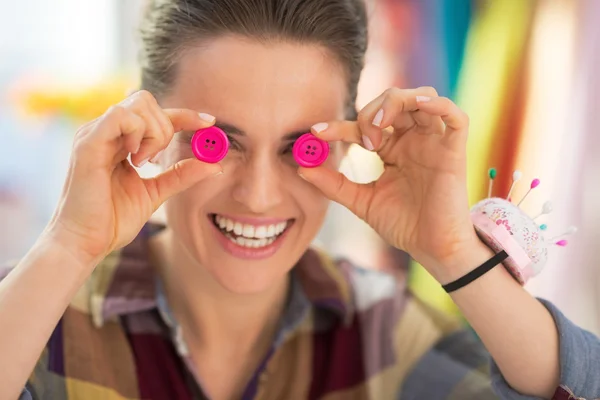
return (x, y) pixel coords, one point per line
(320, 127)
(367, 143)
(423, 99)
(156, 157)
(207, 117)
(143, 162)
(378, 118)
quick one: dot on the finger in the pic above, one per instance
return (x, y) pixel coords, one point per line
(179, 177)
(179, 119)
(187, 120)
(144, 104)
(118, 125)
(167, 130)
(158, 113)
(335, 186)
(163, 120)
(132, 138)
(367, 121)
(455, 119)
(394, 108)
(141, 103)
(344, 131)
(400, 108)
(427, 124)
(152, 141)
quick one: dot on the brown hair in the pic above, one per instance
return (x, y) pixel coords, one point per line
(171, 26)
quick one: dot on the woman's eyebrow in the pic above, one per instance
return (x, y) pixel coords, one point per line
(235, 131)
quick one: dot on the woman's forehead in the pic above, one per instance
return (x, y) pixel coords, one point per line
(252, 86)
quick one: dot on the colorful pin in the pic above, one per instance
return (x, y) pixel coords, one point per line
(561, 243)
(543, 227)
(534, 183)
(572, 230)
(517, 175)
(546, 209)
(492, 174)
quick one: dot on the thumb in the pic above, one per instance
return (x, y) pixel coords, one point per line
(354, 196)
(179, 177)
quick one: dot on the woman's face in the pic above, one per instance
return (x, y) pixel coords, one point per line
(250, 225)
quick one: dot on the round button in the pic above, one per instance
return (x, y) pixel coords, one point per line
(310, 151)
(210, 144)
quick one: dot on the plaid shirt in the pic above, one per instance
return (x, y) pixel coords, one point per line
(346, 333)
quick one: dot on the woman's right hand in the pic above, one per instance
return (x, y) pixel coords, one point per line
(104, 202)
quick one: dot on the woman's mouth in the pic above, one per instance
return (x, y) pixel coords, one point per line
(254, 239)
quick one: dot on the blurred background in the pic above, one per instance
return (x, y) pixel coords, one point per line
(524, 70)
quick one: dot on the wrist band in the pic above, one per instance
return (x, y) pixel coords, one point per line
(476, 273)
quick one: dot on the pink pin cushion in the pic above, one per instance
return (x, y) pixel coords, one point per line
(310, 151)
(504, 226)
(210, 144)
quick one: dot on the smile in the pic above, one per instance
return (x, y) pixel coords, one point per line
(250, 236)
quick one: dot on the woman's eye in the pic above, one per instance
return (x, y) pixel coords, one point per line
(233, 145)
(288, 149)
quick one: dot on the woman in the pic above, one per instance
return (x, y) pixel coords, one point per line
(227, 300)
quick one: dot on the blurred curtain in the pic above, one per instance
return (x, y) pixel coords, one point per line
(525, 72)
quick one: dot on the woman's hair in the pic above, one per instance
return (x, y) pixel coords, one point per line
(170, 27)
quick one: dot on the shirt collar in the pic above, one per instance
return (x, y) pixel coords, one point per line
(125, 283)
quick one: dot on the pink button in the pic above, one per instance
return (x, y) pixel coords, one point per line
(210, 144)
(310, 151)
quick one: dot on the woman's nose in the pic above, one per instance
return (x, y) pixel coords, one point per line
(259, 185)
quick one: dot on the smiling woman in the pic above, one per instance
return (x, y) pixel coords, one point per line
(262, 111)
(227, 300)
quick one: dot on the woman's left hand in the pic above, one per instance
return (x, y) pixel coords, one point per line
(419, 204)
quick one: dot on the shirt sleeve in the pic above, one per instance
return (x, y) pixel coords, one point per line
(579, 363)
(459, 367)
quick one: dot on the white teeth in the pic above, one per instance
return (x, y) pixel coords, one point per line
(251, 243)
(248, 231)
(261, 232)
(280, 227)
(237, 228)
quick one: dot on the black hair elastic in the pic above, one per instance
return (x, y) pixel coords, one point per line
(476, 273)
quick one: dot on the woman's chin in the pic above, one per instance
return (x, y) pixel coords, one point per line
(246, 280)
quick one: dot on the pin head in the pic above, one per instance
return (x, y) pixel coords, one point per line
(543, 227)
(517, 175)
(562, 243)
(547, 208)
(492, 173)
(535, 183)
